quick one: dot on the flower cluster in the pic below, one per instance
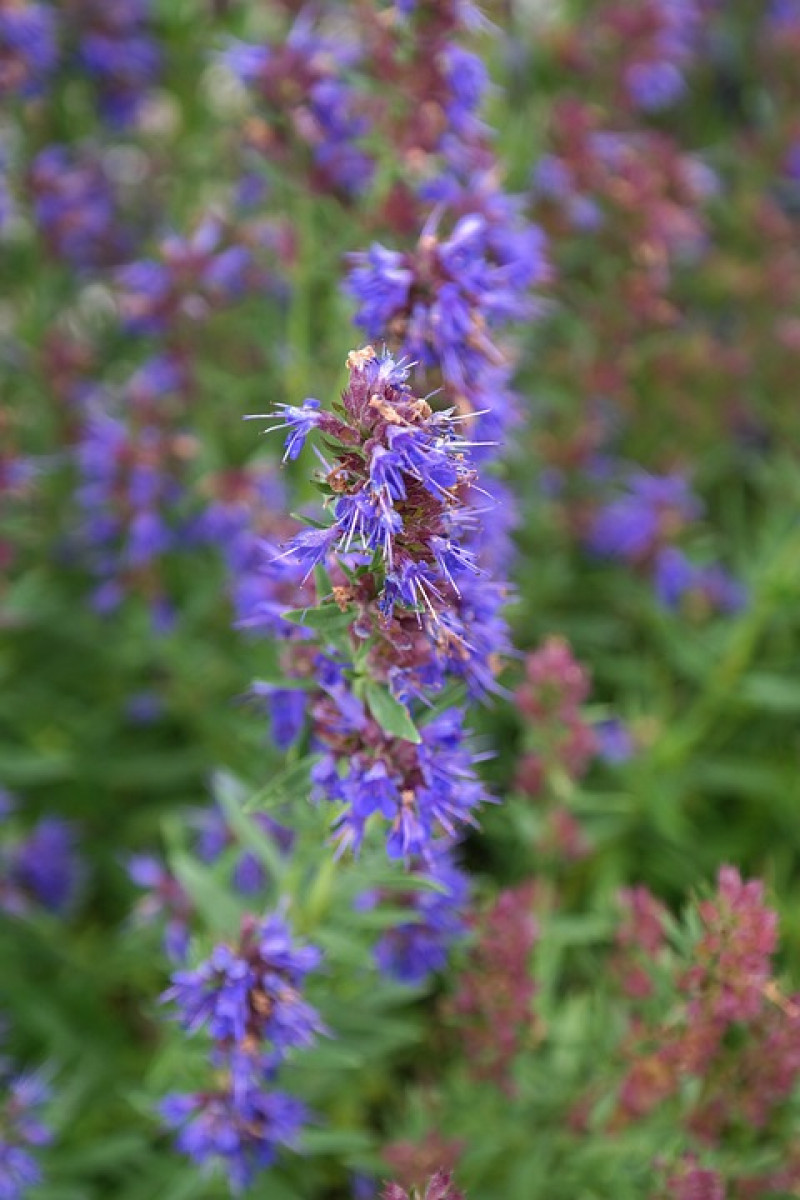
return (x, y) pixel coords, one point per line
(492, 1009)
(111, 42)
(118, 50)
(689, 1181)
(191, 277)
(132, 457)
(730, 1025)
(634, 192)
(422, 789)
(551, 697)
(249, 999)
(440, 303)
(76, 208)
(22, 1131)
(640, 938)
(439, 1187)
(306, 102)
(398, 491)
(28, 47)
(559, 741)
(397, 482)
(645, 50)
(641, 525)
(414, 595)
(412, 950)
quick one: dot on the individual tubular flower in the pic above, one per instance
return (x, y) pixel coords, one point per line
(303, 85)
(249, 1000)
(164, 900)
(22, 1131)
(28, 47)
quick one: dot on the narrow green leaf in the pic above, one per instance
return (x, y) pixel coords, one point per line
(327, 618)
(287, 785)
(392, 716)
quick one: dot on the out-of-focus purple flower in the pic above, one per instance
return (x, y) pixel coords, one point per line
(654, 85)
(249, 1000)
(22, 1131)
(46, 868)
(793, 162)
(615, 742)
(7, 803)
(363, 1187)
(652, 510)
(164, 900)
(413, 950)
(214, 836)
(191, 278)
(468, 80)
(677, 578)
(144, 708)
(76, 209)
(28, 47)
(117, 48)
(784, 15)
(251, 991)
(441, 302)
(287, 709)
(304, 84)
(240, 1129)
(133, 457)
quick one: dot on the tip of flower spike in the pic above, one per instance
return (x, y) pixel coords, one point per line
(357, 359)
